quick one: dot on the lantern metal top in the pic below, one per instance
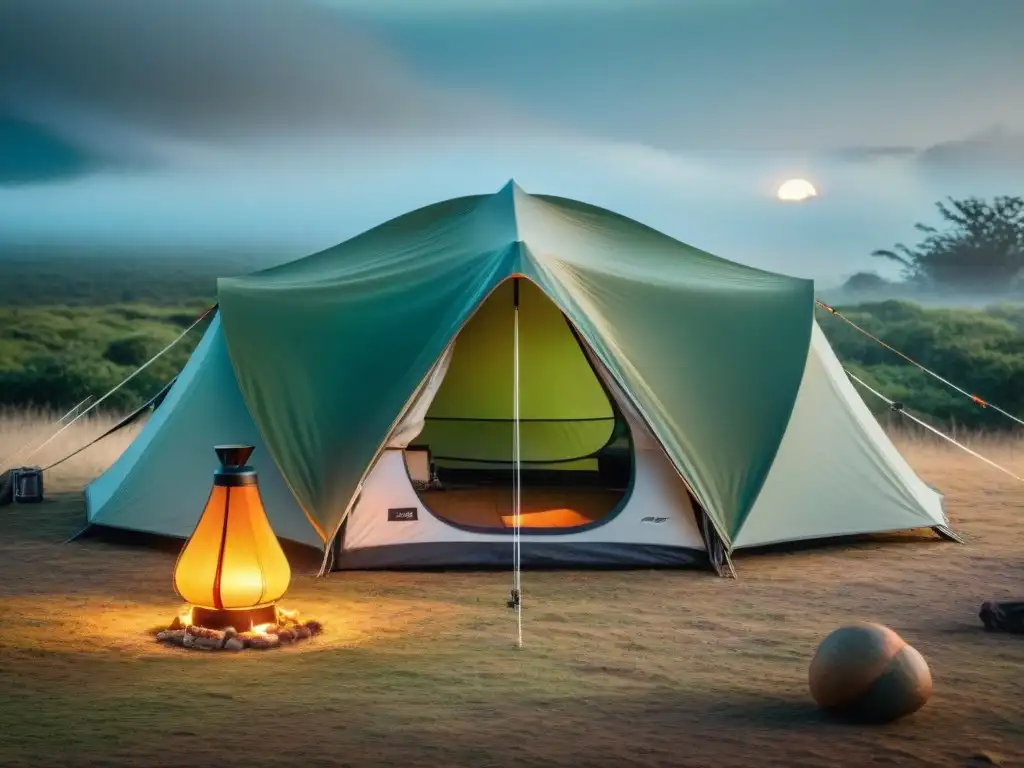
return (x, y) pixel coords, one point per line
(234, 455)
(233, 470)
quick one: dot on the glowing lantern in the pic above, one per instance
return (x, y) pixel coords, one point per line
(232, 569)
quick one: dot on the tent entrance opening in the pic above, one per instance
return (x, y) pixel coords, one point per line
(576, 452)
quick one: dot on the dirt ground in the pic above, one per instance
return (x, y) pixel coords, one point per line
(664, 668)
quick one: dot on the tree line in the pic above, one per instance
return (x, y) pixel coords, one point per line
(54, 355)
(977, 250)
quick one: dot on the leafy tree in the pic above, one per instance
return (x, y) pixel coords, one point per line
(981, 246)
(866, 282)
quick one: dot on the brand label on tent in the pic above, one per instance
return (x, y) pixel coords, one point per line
(403, 514)
(654, 520)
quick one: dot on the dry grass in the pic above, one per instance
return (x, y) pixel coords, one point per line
(638, 668)
(25, 439)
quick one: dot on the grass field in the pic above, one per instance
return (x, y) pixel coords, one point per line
(630, 669)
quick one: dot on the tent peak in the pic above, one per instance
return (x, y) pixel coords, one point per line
(511, 189)
(509, 201)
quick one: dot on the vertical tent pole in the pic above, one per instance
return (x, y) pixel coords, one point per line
(516, 472)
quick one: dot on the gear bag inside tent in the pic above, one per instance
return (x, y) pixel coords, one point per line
(517, 367)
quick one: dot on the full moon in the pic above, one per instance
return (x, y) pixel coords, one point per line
(796, 191)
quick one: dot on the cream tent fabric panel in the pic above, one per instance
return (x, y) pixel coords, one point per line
(836, 472)
(657, 493)
(412, 423)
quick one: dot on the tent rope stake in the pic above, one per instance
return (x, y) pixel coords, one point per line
(981, 403)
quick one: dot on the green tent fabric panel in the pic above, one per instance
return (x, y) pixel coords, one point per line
(327, 350)
(555, 378)
(712, 351)
(564, 412)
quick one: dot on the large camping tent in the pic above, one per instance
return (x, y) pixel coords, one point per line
(669, 406)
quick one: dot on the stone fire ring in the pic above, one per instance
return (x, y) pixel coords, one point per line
(276, 635)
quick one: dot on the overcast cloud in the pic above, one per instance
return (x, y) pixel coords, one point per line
(290, 124)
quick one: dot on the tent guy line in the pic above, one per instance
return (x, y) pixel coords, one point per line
(517, 473)
(29, 443)
(130, 376)
(974, 398)
(894, 406)
(153, 402)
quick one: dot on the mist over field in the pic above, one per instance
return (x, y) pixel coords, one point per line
(148, 149)
(269, 129)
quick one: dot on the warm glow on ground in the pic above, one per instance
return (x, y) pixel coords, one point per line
(96, 628)
(421, 669)
(796, 191)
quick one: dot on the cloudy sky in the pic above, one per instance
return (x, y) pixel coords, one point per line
(282, 126)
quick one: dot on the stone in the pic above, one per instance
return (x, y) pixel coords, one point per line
(204, 632)
(208, 643)
(868, 672)
(262, 642)
(173, 636)
(287, 631)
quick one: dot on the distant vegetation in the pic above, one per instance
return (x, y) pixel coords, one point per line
(57, 356)
(67, 332)
(73, 325)
(981, 351)
(976, 256)
(31, 277)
